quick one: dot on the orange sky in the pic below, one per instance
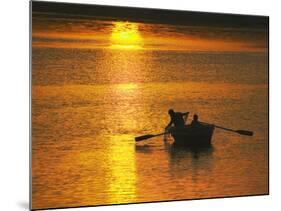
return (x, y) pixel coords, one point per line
(52, 31)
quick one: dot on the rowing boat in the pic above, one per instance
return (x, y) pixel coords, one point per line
(193, 135)
(199, 135)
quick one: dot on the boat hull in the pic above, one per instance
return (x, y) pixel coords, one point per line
(193, 136)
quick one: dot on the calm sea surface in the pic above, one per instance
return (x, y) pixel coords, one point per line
(88, 105)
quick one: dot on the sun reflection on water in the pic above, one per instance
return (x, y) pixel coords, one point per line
(128, 87)
(125, 35)
(122, 185)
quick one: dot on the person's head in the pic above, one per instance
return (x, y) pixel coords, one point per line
(171, 112)
(195, 117)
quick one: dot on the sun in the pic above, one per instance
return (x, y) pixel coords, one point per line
(125, 35)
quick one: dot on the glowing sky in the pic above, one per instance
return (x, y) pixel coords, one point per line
(74, 31)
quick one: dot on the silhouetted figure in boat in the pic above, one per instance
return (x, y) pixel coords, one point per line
(177, 119)
(195, 121)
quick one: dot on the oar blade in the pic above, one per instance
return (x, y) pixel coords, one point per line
(144, 137)
(245, 132)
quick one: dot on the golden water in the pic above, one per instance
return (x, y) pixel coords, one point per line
(88, 105)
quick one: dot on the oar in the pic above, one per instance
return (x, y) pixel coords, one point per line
(241, 132)
(144, 137)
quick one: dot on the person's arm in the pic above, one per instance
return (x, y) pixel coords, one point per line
(169, 124)
(185, 114)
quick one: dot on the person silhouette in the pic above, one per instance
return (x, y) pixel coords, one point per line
(177, 119)
(195, 121)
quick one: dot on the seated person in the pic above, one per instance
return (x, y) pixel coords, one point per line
(195, 121)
